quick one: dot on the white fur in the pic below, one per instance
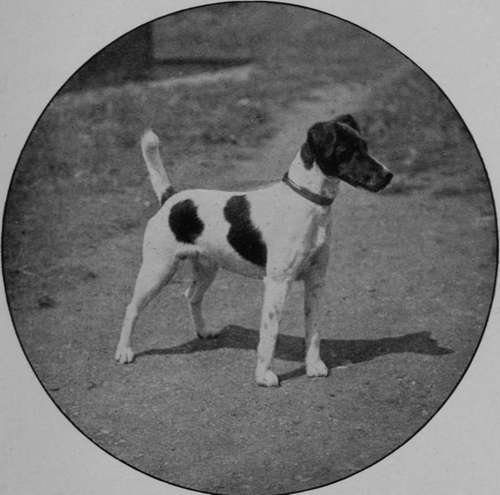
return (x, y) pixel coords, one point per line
(150, 146)
(295, 231)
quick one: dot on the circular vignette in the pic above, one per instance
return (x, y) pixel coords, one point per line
(388, 45)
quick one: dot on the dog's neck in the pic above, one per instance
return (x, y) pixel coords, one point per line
(313, 179)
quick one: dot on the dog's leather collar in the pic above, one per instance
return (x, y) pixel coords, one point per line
(305, 193)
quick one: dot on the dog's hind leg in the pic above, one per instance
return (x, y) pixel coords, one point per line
(204, 272)
(157, 269)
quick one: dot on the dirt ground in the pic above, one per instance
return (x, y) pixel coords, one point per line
(409, 287)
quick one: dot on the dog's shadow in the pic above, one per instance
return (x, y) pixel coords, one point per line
(334, 352)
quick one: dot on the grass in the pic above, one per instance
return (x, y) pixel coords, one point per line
(80, 178)
(417, 131)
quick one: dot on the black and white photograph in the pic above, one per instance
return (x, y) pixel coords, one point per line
(248, 248)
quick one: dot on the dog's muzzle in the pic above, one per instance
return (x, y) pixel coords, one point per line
(384, 182)
(367, 173)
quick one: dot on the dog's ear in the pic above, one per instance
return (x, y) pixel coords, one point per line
(319, 145)
(349, 120)
(307, 155)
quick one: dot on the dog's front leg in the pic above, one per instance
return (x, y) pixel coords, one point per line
(275, 293)
(314, 283)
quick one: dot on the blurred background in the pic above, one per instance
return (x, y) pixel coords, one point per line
(231, 90)
(86, 142)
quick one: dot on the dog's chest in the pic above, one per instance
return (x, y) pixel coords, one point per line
(300, 240)
(319, 236)
(316, 237)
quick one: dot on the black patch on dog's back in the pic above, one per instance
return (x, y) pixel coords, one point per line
(184, 221)
(243, 236)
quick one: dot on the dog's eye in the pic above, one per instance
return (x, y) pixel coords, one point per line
(343, 153)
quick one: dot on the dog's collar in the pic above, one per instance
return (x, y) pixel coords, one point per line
(305, 193)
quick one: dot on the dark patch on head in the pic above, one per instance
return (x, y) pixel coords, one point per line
(339, 151)
(243, 236)
(323, 144)
(349, 120)
(307, 155)
(332, 143)
(184, 221)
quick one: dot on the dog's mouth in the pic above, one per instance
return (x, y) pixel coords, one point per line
(381, 184)
(368, 173)
(370, 185)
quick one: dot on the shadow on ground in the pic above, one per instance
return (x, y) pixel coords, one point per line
(334, 352)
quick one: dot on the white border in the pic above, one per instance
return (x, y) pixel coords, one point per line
(42, 43)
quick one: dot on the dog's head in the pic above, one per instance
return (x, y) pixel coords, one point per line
(339, 151)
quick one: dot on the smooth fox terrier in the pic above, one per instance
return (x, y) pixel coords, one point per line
(279, 233)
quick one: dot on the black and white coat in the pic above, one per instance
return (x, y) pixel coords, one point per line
(279, 233)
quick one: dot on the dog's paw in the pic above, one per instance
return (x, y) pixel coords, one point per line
(316, 368)
(124, 354)
(267, 379)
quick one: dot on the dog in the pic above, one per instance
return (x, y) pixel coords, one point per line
(279, 233)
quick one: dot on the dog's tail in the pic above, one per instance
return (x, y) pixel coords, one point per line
(150, 146)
